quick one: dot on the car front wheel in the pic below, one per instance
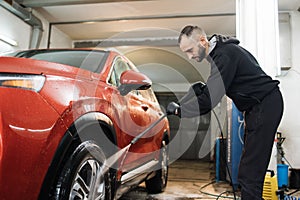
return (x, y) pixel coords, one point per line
(84, 176)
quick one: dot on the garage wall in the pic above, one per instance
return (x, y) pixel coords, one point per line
(290, 86)
(18, 31)
(21, 33)
(58, 38)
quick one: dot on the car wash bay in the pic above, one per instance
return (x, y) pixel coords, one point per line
(146, 32)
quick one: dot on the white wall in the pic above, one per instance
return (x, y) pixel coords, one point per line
(58, 38)
(290, 87)
(21, 32)
(18, 31)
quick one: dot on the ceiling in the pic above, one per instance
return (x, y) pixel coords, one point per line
(142, 22)
(102, 19)
(92, 20)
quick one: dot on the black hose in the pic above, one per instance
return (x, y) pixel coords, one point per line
(227, 168)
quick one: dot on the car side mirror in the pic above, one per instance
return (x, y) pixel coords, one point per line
(132, 80)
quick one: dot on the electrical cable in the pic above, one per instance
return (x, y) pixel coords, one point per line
(214, 195)
(240, 128)
(220, 195)
(287, 162)
(281, 153)
(227, 168)
(293, 192)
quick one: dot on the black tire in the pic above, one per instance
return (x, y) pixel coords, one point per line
(82, 175)
(158, 183)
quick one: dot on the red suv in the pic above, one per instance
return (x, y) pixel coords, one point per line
(64, 113)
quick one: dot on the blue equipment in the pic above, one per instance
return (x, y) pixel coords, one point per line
(234, 142)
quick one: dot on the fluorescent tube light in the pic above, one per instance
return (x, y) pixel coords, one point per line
(8, 40)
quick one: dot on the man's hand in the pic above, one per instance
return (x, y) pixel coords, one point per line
(195, 90)
(173, 109)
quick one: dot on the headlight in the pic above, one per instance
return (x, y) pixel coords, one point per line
(23, 81)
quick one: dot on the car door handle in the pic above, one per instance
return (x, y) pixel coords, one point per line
(145, 107)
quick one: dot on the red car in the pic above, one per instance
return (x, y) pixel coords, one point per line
(65, 114)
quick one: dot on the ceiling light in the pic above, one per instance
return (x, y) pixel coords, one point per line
(123, 20)
(89, 22)
(8, 40)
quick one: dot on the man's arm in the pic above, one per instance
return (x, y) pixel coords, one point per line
(200, 99)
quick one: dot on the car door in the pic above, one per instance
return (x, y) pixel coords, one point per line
(137, 114)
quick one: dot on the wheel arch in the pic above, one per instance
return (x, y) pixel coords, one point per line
(69, 141)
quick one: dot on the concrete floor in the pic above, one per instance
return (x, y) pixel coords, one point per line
(188, 180)
(191, 180)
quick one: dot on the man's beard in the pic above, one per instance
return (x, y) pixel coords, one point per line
(201, 54)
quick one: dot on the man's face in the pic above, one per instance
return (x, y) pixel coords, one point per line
(195, 49)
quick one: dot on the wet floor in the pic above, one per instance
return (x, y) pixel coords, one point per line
(188, 180)
(193, 180)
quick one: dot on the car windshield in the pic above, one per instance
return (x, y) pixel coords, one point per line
(84, 59)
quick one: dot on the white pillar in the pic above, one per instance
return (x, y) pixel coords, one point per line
(257, 28)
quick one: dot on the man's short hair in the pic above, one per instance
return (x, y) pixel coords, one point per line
(189, 29)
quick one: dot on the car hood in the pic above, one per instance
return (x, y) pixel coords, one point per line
(31, 66)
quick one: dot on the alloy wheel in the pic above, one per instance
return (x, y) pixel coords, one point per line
(89, 182)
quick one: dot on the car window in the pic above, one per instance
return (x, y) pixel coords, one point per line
(113, 79)
(119, 67)
(84, 59)
(148, 94)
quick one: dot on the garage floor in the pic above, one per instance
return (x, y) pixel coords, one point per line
(188, 180)
(192, 180)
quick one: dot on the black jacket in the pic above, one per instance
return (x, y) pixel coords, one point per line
(234, 72)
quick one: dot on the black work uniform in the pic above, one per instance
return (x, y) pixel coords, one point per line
(236, 73)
